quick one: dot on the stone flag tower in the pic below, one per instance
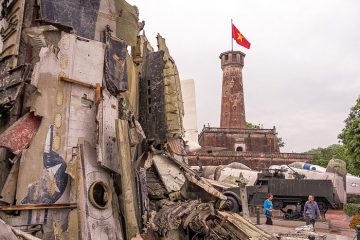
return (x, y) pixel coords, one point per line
(232, 103)
(257, 148)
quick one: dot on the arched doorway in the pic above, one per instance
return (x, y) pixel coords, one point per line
(239, 149)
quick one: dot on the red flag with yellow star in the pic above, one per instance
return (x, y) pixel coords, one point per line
(239, 38)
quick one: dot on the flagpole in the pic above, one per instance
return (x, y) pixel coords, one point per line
(232, 40)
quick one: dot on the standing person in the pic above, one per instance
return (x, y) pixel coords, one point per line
(268, 207)
(311, 211)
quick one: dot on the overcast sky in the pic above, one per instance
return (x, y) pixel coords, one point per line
(302, 73)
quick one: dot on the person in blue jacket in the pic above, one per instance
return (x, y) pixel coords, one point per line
(268, 208)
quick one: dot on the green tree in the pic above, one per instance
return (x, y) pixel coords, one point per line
(350, 136)
(252, 126)
(249, 125)
(322, 156)
(281, 142)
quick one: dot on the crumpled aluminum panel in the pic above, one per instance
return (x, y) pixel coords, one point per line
(107, 149)
(170, 174)
(81, 60)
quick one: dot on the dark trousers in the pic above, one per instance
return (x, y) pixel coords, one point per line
(310, 221)
(268, 220)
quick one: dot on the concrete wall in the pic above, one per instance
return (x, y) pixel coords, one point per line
(190, 114)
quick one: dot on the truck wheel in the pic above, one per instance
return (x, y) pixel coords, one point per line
(232, 204)
(323, 207)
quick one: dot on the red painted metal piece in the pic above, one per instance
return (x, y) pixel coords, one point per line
(18, 136)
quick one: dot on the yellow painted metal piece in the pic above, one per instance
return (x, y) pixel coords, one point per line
(57, 143)
(59, 98)
(57, 120)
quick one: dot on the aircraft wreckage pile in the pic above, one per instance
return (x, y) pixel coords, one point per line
(91, 135)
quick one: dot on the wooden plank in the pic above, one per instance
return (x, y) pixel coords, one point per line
(127, 178)
(37, 207)
(73, 81)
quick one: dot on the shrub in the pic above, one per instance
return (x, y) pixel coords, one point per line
(354, 221)
(351, 209)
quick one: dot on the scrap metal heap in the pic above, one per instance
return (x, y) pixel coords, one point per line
(91, 136)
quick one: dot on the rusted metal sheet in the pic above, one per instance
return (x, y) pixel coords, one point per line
(38, 206)
(116, 75)
(69, 80)
(18, 136)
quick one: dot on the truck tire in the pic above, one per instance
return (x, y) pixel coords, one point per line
(232, 204)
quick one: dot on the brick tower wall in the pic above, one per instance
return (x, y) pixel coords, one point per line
(232, 103)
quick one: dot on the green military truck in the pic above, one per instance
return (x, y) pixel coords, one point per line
(291, 191)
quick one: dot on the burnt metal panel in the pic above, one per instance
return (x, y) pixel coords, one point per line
(116, 75)
(11, 78)
(9, 96)
(13, 15)
(11, 84)
(152, 109)
(18, 136)
(80, 15)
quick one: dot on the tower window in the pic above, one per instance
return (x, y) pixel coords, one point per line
(226, 57)
(234, 58)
